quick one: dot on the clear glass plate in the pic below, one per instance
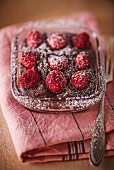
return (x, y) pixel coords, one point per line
(73, 100)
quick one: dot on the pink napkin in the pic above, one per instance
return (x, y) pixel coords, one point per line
(41, 137)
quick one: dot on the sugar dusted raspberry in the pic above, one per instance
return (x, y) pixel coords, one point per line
(34, 38)
(56, 81)
(58, 62)
(81, 40)
(29, 78)
(80, 80)
(28, 59)
(82, 60)
(57, 41)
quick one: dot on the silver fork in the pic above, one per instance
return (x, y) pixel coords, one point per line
(97, 145)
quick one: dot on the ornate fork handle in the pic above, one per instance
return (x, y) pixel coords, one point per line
(97, 145)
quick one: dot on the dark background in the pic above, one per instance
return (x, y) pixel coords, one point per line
(15, 11)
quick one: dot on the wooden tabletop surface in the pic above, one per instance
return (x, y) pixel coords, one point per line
(11, 12)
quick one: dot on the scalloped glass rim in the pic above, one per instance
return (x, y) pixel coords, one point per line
(71, 103)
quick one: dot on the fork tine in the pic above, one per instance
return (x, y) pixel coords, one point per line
(111, 53)
(108, 45)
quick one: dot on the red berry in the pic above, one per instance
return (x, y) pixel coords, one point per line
(56, 81)
(58, 62)
(57, 41)
(29, 78)
(81, 40)
(80, 80)
(34, 38)
(28, 59)
(82, 60)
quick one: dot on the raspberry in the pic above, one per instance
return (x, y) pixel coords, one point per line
(56, 81)
(28, 59)
(81, 40)
(82, 60)
(58, 62)
(80, 80)
(57, 41)
(29, 78)
(34, 38)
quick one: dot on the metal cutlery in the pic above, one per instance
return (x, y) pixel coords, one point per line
(97, 145)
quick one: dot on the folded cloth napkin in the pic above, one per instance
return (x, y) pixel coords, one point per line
(41, 137)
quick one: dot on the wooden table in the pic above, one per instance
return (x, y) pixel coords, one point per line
(12, 12)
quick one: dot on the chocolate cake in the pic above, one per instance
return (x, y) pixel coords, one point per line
(57, 71)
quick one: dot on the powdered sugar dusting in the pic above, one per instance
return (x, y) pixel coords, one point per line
(41, 98)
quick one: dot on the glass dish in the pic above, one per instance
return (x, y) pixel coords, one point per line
(72, 100)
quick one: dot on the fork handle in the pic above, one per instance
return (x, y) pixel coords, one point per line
(97, 145)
